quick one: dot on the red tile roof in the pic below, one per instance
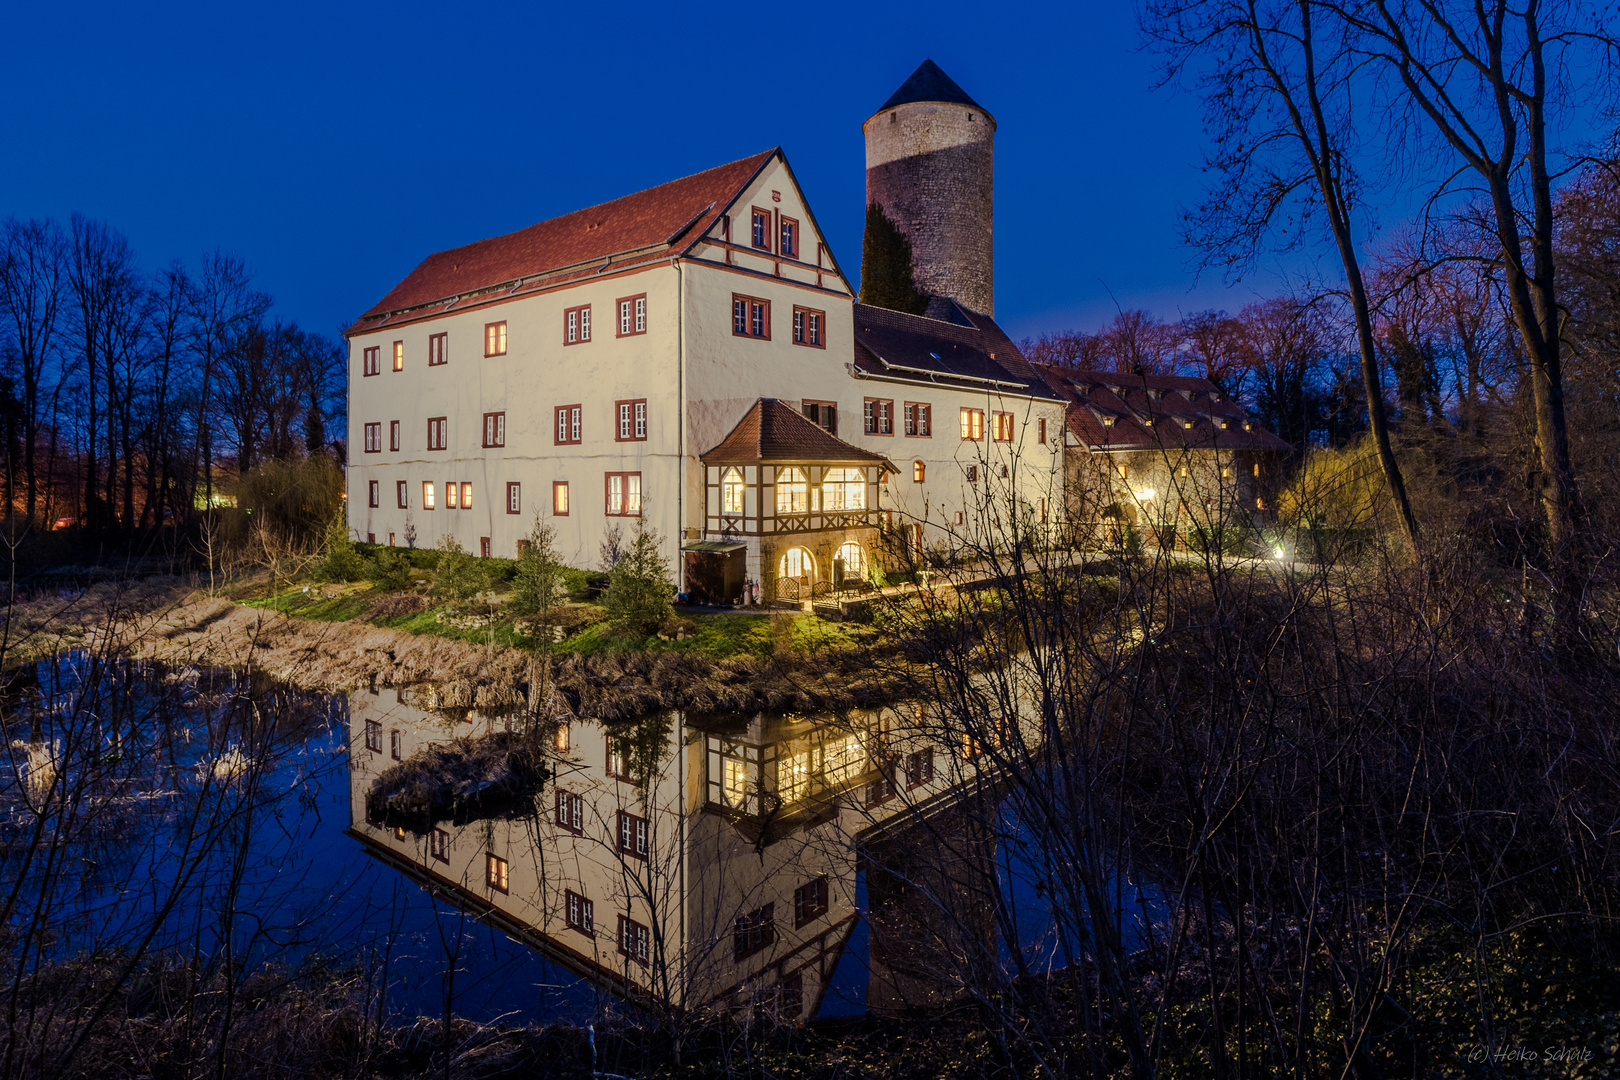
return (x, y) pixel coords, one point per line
(663, 218)
(773, 430)
(1152, 412)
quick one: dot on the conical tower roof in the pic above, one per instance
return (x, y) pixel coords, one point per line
(929, 83)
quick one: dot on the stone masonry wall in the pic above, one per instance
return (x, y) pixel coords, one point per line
(930, 166)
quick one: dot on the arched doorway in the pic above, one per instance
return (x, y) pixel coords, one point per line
(849, 565)
(796, 574)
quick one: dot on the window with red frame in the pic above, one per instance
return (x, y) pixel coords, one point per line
(635, 940)
(375, 492)
(632, 832)
(374, 438)
(399, 356)
(632, 420)
(495, 338)
(371, 360)
(760, 236)
(919, 419)
(622, 494)
(1040, 431)
(439, 845)
(514, 497)
(495, 429)
(576, 324)
(809, 327)
(753, 932)
(438, 433)
(810, 901)
(790, 238)
(568, 424)
(878, 414)
(402, 494)
(438, 349)
(559, 498)
(497, 874)
(750, 317)
(632, 315)
(485, 547)
(973, 424)
(1002, 426)
(393, 435)
(581, 914)
(919, 767)
(571, 811)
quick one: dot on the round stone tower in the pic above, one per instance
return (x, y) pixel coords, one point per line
(929, 164)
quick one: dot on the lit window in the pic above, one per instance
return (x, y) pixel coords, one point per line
(466, 496)
(1003, 426)
(792, 491)
(497, 874)
(495, 339)
(427, 495)
(1040, 431)
(559, 498)
(973, 424)
(624, 494)
(843, 489)
(919, 472)
(399, 356)
(731, 492)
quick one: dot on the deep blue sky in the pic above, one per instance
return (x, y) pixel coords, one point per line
(334, 145)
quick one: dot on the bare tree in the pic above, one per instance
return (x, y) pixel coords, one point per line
(1279, 92)
(1485, 79)
(31, 287)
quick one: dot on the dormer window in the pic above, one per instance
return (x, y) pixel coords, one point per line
(792, 491)
(1108, 421)
(1247, 426)
(843, 489)
(1223, 425)
(1187, 424)
(731, 491)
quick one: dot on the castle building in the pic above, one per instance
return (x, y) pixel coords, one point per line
(597, 367)
(666, 356)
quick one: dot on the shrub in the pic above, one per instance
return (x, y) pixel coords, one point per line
(389, 569)
(637, 600)
(460, 576)
(340, 561)
(539, 575)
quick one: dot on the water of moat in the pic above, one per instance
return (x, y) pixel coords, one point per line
(295, 863)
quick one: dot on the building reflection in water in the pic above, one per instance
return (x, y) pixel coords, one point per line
(685, 862)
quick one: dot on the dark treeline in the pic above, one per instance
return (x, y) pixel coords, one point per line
(129, 395)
